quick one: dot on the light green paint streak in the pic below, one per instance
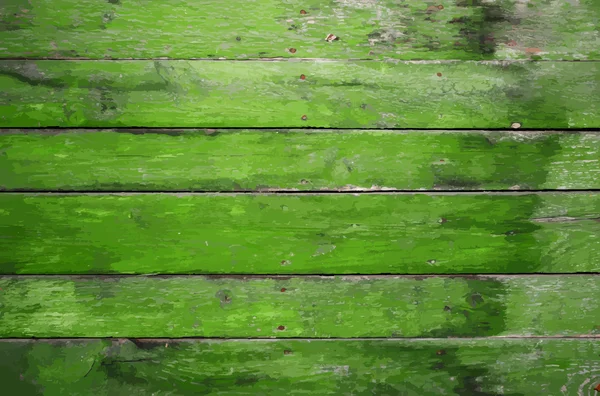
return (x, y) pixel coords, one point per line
(271, 94)
(299, 234)
(464, 29)
(551, 305)
(221, 160)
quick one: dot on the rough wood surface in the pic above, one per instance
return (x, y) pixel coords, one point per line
(367, 29)
(250, 160)
(258, 94)
(299, 234)
(514, 367)
(351, 306)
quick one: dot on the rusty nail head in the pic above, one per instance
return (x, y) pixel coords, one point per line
(292, 50)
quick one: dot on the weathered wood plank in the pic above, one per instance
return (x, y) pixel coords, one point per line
(299, 234)
(250, 160)
(561, 95)
(407, 29)
(317, 367)
(351, 306)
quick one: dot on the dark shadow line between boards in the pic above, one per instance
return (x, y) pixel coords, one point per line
(288, 276)
(308, 339)
(296, 128)
(298, 192)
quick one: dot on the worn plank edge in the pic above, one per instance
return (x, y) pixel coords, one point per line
(139, 130)
(283, 59)
(313, 129)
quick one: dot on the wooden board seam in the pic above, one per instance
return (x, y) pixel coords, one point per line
(349, 277)
(357, 191)
(311, 339)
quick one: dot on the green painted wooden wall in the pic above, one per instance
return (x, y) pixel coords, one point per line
(317, 197)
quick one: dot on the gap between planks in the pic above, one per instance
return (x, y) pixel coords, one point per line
(348, 277)
(324, 60)
(315, 339)
(357, 191)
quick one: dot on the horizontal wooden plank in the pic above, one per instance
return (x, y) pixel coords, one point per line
(299, 234)
(334, 367)
(254, 94)
(351, 306)
(250, 160)
(407, 29)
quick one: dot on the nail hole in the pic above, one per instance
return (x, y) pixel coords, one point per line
(238, 38)
(431, 261)
(331, 37)
(440, 352)
(287, 352)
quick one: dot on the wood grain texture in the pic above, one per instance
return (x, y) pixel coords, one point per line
(251, 160)
(299, 234)
(254, 94)
(352, 306)
(408, 29)
(514, 367)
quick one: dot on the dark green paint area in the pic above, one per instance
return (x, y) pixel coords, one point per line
(317, 307)
(299, 234)
(558, 95)
(414, 368)
(483, 308)
(225, 160)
